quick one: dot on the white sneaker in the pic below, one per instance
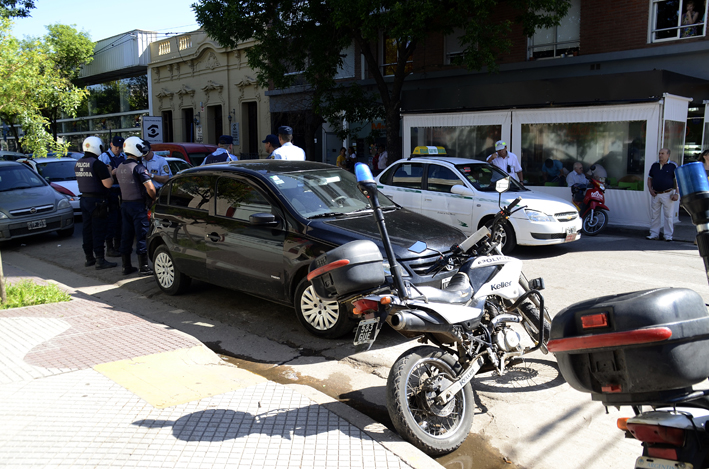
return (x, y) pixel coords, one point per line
(651, 237)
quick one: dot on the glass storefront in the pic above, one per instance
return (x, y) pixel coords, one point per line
(476, 142)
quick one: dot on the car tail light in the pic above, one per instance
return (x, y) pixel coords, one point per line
(363, 306)
(657, 434)
(150, 215)
(662, 453)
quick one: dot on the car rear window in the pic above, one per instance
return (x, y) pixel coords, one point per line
(57, 170)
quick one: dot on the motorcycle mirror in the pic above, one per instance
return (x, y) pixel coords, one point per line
(502, 185)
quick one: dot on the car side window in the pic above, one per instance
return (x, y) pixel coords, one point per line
(441, 179)
(238, 200)
(178, 154)
(408, 175)
(194, 192)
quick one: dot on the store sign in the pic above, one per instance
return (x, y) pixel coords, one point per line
(235, 133)
(152, 129)
(198, 134)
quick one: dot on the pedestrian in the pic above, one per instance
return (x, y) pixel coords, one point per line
(506, 161)
(112, 158)
(553, 170)
(342, 158)
(287, 151)
(137, 192)
(375, 159)
(577, 181)
(271, 143)
(383, 157)
(351, 159)
(662, 185)
(157, 167)
(223, 153)
(94, 180)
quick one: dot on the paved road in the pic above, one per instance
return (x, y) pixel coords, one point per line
(529, 416)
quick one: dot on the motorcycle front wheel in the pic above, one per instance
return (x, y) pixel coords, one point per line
(592, 225)
(414, 381)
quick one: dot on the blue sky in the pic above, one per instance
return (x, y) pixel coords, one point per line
(102, 19)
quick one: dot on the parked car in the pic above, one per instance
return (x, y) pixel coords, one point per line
(29, 205)
(256, 225)
(59, 171)
(461, 193)
(11, 155)
(193, 153)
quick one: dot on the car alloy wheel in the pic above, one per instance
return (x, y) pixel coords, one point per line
(327, 319)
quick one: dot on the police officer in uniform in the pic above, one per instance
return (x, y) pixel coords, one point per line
(112, 158)
(157, 167)
(94, 179)
(287, 150)
(223, 153)
(137, 191)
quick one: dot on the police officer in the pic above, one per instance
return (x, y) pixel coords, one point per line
(157, 167)
(94, 179)
(137, 190)
(271, 144)
(223, 153)
(287, 150)
(112, 158)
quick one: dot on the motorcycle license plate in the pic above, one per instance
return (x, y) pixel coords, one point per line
(33, 225)
(570, 234)
(366, 331)
(644, 462)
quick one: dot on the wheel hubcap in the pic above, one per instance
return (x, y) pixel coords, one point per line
(321, 315)
(164, 270)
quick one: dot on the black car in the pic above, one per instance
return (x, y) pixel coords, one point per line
(255, 226)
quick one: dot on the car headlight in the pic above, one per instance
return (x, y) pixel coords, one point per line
(2, 215)
(64, 203)
(539, 217)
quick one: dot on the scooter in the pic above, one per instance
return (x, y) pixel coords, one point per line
(469, 324)
(593, 209)
(647, 350)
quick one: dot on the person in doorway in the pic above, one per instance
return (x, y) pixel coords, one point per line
(112, 158)
(383, 157)
(223, 153)
(287, 151)
(94, 180)
(662, 184)
(137, 192)
(342, 159)
(506, 161)
(157, 167)
(271, 143)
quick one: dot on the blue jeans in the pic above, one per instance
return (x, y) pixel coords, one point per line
(94, 228)
(135, 226)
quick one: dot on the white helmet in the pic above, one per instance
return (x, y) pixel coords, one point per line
(93, 145)
(135, 146)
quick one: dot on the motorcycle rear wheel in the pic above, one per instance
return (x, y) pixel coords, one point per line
(593, 225)
(434, 429)
(530, 313)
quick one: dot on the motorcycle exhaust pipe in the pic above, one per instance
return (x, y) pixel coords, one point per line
(409, 322)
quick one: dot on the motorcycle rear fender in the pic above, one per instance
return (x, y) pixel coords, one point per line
(450, 313)
(505, 283)
(668, 417)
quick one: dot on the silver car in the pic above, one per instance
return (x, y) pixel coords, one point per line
(29, 205)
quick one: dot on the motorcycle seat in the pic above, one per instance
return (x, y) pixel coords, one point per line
(458, 291)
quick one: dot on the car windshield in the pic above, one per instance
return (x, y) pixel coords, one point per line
(484, 176)
(323, 192)
(55, 171)
(18, 177)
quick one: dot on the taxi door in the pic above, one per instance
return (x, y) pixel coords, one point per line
(440, 203)
(403, 185)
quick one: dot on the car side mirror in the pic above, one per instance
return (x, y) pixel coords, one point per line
(263, 219)
(462, 190)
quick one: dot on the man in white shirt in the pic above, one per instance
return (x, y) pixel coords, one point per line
(383, 156)
(287, 151)
(506, 161)
(577, 181)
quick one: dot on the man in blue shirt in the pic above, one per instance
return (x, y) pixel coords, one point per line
(662, 185)
(223, 153)
(112, 158)
(157, 167)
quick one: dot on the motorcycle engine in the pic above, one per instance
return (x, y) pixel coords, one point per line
(507, 339)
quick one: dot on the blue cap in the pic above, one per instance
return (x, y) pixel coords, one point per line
(272, 139)
(118, 141)
(226, 140)
(285, 130)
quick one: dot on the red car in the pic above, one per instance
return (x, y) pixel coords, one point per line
(193, 153)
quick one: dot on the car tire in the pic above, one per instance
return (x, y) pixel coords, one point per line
(169, 279)
(66, 232)
(325, 319)
(509, 240)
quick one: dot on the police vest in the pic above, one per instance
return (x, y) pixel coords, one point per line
(131, 189)
(84, 170)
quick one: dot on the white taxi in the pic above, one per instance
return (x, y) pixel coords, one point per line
(461, 192)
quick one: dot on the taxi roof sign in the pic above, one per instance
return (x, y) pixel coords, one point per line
(429, 151)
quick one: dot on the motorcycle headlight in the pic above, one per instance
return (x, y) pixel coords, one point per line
(64, 203)
(539, 217)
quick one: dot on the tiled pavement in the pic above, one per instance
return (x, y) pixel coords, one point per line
(57, 410)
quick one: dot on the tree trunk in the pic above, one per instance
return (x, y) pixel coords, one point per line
(394, 146)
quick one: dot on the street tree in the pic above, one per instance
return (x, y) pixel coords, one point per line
(16, 8)
(29, 83)
(302, 42)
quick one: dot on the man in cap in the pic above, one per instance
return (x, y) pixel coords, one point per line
(271, 144)
(137, 191)
(223, 153)
(157, 167)
(506, 161)
(112, 158)
(287, 151)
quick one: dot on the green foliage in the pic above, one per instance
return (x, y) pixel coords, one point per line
(31, 83)
(16, 8)
(28, 293)
(70, 49)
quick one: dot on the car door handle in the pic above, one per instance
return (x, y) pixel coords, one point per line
(214, 237)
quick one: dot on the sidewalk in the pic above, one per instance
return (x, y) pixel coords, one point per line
(684, 231)
(83, 384)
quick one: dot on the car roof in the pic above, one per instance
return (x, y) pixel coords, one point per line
(50, 159)
(447, 159)
(186, 145)
(11, 163)
(263, 167)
